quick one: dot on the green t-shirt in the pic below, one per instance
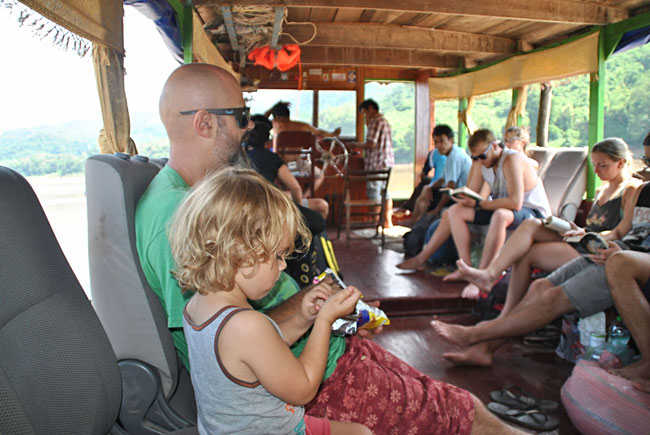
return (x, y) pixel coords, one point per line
(152, 217)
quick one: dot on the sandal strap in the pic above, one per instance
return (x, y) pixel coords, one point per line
(523, 397)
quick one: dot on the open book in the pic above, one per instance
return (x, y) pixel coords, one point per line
(588, 243)
(464, 190)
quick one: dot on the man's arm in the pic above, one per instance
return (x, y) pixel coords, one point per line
(513, 171)
(289, 181)
(444, 199)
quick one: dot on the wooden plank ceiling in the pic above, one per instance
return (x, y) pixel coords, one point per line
(440, 35)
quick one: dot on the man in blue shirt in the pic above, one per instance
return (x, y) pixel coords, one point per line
(455, 169)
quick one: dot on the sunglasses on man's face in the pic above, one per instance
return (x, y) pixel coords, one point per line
(481, 156)
(242, 114)
(511, 139)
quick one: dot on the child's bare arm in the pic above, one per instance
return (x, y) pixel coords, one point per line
(295, 326)
(295, 381)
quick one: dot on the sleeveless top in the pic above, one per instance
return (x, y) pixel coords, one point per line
(226, 404)
(535, 198)
(607, 216)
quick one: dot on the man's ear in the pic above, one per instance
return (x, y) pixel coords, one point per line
(203, 124)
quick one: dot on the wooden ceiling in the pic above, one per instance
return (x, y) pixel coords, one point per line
(441, 35)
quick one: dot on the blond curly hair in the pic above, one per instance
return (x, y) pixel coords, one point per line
(230, 220)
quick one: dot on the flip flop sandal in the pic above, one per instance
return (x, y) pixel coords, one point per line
(545, 344)
(516, 397)
(549, 332)
(530, 418)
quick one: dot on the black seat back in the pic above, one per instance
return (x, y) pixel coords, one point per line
(58, 372)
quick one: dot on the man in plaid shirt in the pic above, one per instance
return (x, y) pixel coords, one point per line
(379, 152)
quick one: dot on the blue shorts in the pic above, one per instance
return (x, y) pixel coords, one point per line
(373, 190)
(483, 217)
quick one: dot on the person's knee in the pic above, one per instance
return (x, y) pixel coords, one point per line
(454, 211)
(502, 217)
(616, 263)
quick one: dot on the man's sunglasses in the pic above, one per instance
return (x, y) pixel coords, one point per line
(481, 156)
(242, 114)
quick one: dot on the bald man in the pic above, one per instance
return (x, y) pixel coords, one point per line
(203, 111)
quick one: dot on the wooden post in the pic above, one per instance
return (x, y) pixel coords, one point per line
(462, 130)
(360, 97)
(423, 122)
(544, 116)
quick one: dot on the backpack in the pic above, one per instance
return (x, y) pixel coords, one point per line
(489, 305)
(414, 239)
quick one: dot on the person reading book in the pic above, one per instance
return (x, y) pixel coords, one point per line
(578, 286)
(517, 194)
(534, 245)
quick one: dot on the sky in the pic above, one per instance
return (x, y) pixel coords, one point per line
(42, 84)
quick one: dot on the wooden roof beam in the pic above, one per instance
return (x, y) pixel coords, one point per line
(551, 11)
(370, 35)
(375, 57)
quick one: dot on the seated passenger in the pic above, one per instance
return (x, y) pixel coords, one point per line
(362, 383)
(628, 277)
(434, 162)
(517, 138)
(273, 168)
(430, 201)
(259, 386)
(281, 122)
(579, 285)
(517, 194)
(533, 245)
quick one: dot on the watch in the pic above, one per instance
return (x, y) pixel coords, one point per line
(477, 205)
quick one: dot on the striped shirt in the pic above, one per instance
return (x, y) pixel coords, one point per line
(380, 156)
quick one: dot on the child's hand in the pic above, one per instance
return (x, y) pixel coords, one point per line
(339, 305)
(313, 301)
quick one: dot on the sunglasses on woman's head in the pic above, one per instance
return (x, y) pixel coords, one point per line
(242, 114)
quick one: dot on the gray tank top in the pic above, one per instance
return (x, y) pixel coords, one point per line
(534, 199)
(226, 404)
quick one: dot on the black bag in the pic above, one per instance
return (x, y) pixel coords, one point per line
(319, 257)
(414, 239)
(489, 305)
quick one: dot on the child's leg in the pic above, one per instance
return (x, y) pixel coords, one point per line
(344, 428)
(323, 426)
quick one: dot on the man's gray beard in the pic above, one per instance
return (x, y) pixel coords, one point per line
(239, 159)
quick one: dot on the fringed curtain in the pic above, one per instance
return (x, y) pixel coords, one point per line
(109, 74)
(465, 116)
(518, 108)
(99, 21)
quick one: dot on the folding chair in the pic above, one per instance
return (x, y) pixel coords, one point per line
(370, 211)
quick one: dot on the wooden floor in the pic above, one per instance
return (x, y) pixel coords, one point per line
(412, 299)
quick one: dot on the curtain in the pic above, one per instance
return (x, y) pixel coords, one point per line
(579, 56)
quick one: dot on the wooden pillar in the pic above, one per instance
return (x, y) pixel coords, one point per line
(596, 113)
(462, 130)
(361, 78)
(314, 110)
(544, 116)
(515, 95)
(423, 122)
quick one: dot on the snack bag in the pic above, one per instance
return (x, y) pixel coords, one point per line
(364, 316)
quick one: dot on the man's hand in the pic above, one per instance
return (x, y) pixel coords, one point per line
(367, 333)
(604, 254)
(465, 201)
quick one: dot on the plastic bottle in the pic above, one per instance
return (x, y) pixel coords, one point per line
(618, 338)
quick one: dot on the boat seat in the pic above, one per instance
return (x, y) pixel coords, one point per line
(129, 310)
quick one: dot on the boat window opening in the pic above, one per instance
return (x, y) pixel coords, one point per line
(337, 109)
(301, 108)
(396, 102)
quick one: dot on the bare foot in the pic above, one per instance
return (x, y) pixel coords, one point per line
(454, 334)
(643, 386)
(470, 292)
(638, 371)
(476, 355)
(412, 263)
(479, 277)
